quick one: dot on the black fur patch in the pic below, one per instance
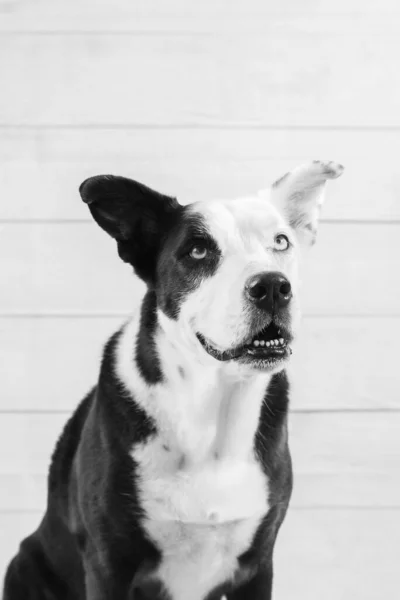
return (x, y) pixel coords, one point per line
(178, 273)
(147, 586)
(147, 359)
(137, 217)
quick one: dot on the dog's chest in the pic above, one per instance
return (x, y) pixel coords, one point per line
(201, 514)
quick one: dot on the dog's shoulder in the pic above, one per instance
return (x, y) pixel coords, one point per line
(67, 444)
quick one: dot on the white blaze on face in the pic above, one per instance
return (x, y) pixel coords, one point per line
(244, 230)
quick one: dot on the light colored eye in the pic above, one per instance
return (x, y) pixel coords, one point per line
(198, 252)
(281, 242)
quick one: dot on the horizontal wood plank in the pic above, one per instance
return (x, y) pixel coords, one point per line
(64, 268)
(41, 170)
(340, 459)
(335, 364)
(185, 15)
(74, 269)
(340, 554)
(267, 79)
(36, 352)
(319, 554)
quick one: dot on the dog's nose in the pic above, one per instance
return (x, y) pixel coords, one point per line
(269, 291)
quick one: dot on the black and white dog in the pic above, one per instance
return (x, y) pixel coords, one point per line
(173, 476)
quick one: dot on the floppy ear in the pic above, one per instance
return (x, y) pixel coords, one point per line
(300, 193)
(134, 215)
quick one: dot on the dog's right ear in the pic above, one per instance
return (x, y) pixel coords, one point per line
(299, 195)
(134, 215)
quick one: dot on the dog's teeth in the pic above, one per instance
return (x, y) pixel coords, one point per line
(262, 342)
(267, 343)
(282, 341)
(256, 343)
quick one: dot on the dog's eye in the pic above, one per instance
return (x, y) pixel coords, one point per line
(198, 252)
(281, 242)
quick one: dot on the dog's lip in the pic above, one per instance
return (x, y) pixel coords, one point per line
(249, 350)
(222, 355)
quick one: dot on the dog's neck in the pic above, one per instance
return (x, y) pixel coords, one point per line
(200, 405)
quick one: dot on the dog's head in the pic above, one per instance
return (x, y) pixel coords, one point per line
(224, 272)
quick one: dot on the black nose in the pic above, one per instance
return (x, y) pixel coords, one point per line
(269, 291)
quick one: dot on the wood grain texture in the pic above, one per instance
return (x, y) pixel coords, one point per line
(74, 269)
(340, 459)
(274, 78)
(325, 554)
(335, 365)
(41, 169)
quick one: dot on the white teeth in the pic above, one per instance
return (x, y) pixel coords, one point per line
(272, 343)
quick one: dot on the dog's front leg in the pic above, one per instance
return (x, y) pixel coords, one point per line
(102, 589)
(257, 588)
(94, 587)
(101, 585)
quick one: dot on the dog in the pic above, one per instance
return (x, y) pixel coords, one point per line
(173, 476)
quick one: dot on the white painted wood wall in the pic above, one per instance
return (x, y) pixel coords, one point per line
(200, 98)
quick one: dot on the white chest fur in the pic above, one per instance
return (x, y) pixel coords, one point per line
(198, 558)
(202, 516)
(201, 486)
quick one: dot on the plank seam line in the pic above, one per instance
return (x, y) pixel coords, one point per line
(190, 32)
(187, 126)
(78, 221)
(125, 315)
(293, 411)
(112, 32)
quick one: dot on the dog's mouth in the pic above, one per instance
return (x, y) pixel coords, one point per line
(267, 347)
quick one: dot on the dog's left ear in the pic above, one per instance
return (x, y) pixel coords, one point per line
(134, 215)
(300, 193)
